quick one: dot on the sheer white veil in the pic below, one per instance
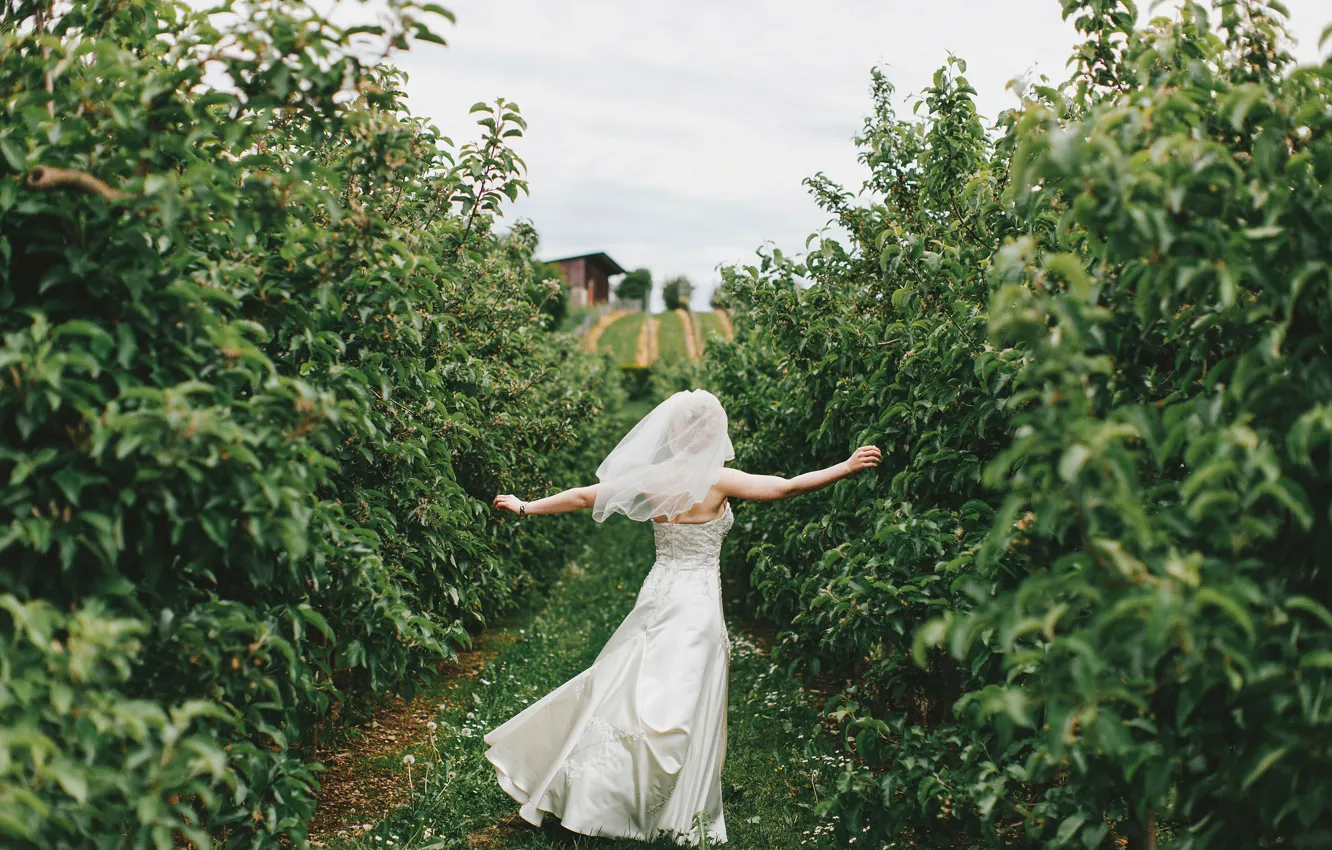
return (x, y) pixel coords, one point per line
(668, 461)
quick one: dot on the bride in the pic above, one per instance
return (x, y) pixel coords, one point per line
(633, 746)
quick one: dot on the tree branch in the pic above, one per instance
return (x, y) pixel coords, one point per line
(46, 177)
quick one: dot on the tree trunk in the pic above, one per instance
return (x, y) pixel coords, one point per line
(1143, 835)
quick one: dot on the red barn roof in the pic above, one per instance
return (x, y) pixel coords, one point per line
(599, 258)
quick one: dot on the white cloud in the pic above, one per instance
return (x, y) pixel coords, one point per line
(676, 135)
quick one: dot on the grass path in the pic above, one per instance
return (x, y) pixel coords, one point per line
(640, 339)
(779, 759)
(671, 334)
(647, 342)
(621, 337)
(690, 334)
(594, 333)
(723, 317)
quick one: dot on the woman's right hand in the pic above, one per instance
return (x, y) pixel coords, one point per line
(864, 458)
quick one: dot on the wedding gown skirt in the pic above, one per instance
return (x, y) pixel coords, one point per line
(633, 746)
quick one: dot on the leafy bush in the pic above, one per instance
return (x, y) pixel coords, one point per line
(81, 749)
(635, 284)
(675, 292)
(637, 382)
(263, 361)
(1083, 601)
(549, 289)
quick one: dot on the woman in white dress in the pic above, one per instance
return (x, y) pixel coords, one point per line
(633, 746)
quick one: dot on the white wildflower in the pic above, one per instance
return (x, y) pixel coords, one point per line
(409, 759)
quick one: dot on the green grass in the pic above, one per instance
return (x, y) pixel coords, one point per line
(632, 411)
(670, 338)
(621, 338)
(573, 318)
(708, 326)
(776, 755)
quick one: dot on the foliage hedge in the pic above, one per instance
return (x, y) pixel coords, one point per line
(264, 363)
(1084, 602)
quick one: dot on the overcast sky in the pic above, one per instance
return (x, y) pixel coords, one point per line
(675, 135)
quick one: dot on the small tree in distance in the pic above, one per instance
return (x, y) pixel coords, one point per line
(676, 293)
(635, 284)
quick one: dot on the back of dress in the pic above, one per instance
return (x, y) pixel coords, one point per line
(692, 546)
(633, 746)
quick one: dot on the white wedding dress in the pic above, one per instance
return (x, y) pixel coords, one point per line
(633, 746)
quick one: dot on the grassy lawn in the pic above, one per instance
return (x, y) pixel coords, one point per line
(573, 318)
(621, 338)
(778, 756)
(632, 411)
(670, 338)
(708, 326)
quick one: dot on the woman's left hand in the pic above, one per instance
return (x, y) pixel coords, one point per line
(507, 502)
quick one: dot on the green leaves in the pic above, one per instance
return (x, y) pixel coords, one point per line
(1320, 659)
(252, 418)
(1264, 764)
(1112, 318)
(1311, 606)
(65, 680)
(1070, 268)
(1069, 827)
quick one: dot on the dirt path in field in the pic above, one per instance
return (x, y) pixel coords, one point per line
(773, 778)
(692, 347)
(646, 353)
(724, 319)
(594, 333)
(362, 779)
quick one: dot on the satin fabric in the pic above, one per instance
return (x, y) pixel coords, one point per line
(633, 746)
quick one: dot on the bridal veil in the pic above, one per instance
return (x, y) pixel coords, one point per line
(668, 461)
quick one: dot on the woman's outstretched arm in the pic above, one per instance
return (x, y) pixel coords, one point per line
(770, 488)
(561, 503)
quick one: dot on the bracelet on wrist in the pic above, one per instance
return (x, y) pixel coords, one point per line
(522, 509)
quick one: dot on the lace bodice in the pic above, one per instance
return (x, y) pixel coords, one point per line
(692, 546)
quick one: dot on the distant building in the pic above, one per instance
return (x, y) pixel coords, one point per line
(588, 276)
